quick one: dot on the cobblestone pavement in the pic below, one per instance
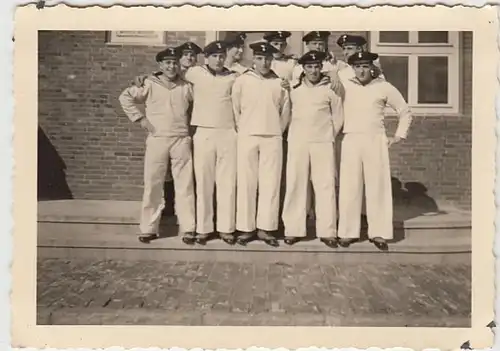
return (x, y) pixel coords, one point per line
(332, 293)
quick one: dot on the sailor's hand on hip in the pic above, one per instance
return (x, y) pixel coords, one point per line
(147, 125)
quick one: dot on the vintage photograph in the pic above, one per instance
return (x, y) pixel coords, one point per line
(255, 178)
(267, 185)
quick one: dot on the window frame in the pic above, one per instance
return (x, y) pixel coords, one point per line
(112, 38)
(413, 50)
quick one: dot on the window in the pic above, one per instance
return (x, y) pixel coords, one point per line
(424, 66)
(129, 37)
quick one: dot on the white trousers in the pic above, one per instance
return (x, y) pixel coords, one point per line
(159, 152)
(260, 159)
(215, 166)
(314, 161)
(365, 160)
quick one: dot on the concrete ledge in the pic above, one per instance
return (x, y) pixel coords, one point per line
(126, 212)
(119, 241)
(125, 237)
(142, 316)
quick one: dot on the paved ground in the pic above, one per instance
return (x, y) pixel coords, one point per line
(82, 291)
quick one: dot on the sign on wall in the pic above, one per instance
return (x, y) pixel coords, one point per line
(128, 37)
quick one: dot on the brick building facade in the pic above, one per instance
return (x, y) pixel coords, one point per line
(88, 149)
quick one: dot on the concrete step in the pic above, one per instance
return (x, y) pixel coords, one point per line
(119, 241)
(127, 212)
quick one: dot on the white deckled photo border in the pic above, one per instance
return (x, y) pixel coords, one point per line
(28, 20)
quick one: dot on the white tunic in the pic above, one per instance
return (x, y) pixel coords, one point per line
(261, 105)
(212, 107)
(166, 105)
(317, 114)
(364, 107)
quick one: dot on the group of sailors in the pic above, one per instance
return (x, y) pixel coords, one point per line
(222, 128)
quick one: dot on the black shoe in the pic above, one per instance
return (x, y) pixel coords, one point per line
(291, 240)
(202, 239)
(380, 244)
(271, 242)
(330, 242)
(147, 238)
(268, 238)
(227, 238)
(245, 238)
(189, 238)
(345, 242)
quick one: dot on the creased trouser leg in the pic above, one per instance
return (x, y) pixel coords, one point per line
(378, 186)
(351, 186)
(247, 180)
(155, 168)
(204, 170)
(322, 157)
(225, 178)
(297, 179)
(270, 163)
(182, 173)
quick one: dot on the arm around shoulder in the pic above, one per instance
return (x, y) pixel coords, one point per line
(285, 109)
(337, 110)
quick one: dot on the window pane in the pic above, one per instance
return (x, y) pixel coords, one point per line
(433, 80)
(396, 72)
(394, 37)
(433, 37)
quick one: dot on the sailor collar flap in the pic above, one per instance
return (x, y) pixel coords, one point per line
(270, 75)
(155, 77)
(225, 71)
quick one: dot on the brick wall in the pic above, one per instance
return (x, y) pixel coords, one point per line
(86, 136)
(80, 79)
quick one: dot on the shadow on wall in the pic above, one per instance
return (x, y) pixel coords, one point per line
(52, 184)
(410, 200)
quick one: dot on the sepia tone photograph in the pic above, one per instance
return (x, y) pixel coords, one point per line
(273, 177)
(221, 178)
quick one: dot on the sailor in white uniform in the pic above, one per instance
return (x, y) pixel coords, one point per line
(317, 117)
(262, 112)
(365, 151)
(352, 44)
(189, 55)
(214, 144)
(282, 64)
(235, 47)
(166, 98)
(315, 41)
